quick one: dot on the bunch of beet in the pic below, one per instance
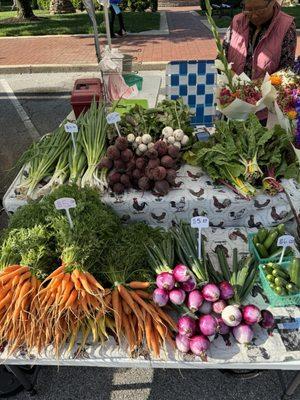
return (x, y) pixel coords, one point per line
(207, 310)
(155, 170)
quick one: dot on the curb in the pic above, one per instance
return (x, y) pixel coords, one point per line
(52, 68)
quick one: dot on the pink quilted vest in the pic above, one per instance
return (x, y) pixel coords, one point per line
(266, 57)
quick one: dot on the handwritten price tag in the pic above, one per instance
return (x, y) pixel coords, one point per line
(113, 118)
(200, 222)
(285, 241)
(70, 127)
(65, 203)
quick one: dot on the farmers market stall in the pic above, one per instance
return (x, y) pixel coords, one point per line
(88, 278)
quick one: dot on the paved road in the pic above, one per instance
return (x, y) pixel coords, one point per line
(45, 100)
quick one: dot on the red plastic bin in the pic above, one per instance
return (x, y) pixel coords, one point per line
(83, 93)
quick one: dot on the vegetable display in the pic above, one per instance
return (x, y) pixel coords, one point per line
(246, 156)
(282, 281)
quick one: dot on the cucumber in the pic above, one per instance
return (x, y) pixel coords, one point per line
(291, 288)
(262, 235)
(270, 277)
(261, 250)
(272, 285)
(279, 272)
(280, 281)
(280, 229)
(280, 290)
(268, 268)
(295, 271)
(270, 239)
(255, 240)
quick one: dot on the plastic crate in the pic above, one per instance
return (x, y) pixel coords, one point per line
(133, 79)
(253, 251)
(274, 299)
(124, 105)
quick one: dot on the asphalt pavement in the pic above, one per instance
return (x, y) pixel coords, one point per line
(35, 105)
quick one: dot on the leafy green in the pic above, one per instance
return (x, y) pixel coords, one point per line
(245, 155)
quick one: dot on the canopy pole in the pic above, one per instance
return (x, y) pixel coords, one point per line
(89, 5)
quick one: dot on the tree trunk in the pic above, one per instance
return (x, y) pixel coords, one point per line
(61, 7)
(24, 9)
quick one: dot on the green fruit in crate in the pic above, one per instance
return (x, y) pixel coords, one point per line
(280, 291)
(280, 281)
(295, 271)
(268, 268)
(291, 288)
(261, 235)
(261, 250)
(270, 277)
(255, 239)
(279, 272)
(281, 229)
(272, 285)
(272, 236)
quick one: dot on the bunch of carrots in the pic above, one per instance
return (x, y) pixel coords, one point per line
(139, 320)
(70, 305)
(18, 308)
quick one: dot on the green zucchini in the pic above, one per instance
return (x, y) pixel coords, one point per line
(280, 229)
(262, 235)
(280, 290)
(280, 281)
(295, 271)
(291, 288)
(270, 239)
(270, 277)
(280, 273)
(261, 250)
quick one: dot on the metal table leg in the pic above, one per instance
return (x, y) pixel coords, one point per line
(291, 387)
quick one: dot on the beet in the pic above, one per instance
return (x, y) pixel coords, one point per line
(126, 155)
(151, 154)
(137, 174)
(125, 180)
(161, 147)
(118, 188)
(140, 163)
(167, 162)
(105, 163)
(162, 187)
(173, 151)
(159, 173)
(119, 165)
(144, 183)
(113, 153)
(171, 176)
(114, 177)
(130, 166)
(149, 172)
(121, 143)
(153, 163)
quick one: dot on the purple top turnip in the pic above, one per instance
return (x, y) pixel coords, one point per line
(211, 292)
(208, 325)
(226, 290)
(165, 280)
(251, 314)
(181, 273)
(160, 297)
(186, 326)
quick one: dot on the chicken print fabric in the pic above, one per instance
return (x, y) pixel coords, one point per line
(196, 195)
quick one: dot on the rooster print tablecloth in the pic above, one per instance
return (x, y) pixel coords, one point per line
(195, 195)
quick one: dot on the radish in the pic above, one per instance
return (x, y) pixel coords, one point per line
(181, 273)
(177, 296)
(211, 292)
(186, 326)
(195, 300)
(208, 325)
(165, 281)
(251, 314)
(160, 297)
(199, 345)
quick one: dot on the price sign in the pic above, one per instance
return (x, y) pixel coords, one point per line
(72, 128)
(113, 118)
(199, 223)
(284, 241)
(65, 203)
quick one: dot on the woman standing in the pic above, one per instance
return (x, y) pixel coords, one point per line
(115, 10)
(261, 39)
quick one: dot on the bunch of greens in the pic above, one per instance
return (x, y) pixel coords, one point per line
(161, 255)
(173, 113)
(242, 275)
(186, 241)
(244, 155)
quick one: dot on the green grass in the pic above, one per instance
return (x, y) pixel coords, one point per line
(225, 20)
(71, 23)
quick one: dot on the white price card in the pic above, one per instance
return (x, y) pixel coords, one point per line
(65, 203)
(113, 118)
(285, 241)
(70, 127)
(200, 222)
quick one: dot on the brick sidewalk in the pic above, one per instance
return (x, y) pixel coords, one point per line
(188, 39)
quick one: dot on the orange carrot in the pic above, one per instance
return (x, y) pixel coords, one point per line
(143, 304)
(139, 285)
(6, 277)
(148, 330)
(56, 272)
(126, 308)
(128, 333)
(76, 281)
(6, 300)
(92, 280)
(72, 298)
(144, 295)
(117, 310)
(166, 318)
(155, 343)
(129, 300)
(66, 293)
(84, 282)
